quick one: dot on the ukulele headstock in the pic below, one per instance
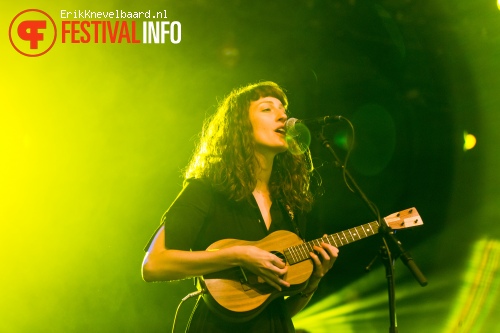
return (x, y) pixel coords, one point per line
(407, 218)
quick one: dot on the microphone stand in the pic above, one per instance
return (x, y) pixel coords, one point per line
(387, 237)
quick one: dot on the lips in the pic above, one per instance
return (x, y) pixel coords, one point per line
(280, 130)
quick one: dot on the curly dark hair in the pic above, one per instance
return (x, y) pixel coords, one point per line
(226, 150)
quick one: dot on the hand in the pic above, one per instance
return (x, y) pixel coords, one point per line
(264, 264)
(323, 260)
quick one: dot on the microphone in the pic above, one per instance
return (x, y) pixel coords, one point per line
(311, 122)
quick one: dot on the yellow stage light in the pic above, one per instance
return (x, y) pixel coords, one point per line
(469, 139)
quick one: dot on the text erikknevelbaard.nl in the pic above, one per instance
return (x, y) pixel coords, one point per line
(119, 26)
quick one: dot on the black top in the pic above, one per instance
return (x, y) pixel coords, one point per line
(199, 217)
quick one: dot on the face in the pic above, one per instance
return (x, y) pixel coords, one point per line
(268, 117)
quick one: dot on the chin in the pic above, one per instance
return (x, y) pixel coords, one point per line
(282, 149)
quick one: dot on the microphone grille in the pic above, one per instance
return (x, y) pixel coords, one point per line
(290, 123)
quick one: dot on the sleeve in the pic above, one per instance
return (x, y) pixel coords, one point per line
(185, 217)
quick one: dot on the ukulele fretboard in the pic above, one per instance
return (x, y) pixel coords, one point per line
(298, 253)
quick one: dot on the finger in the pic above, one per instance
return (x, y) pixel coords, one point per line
(315, 259)
(324, 265)
(328, 245)
(272, 283)
(331, 257)
(330, 248)
(275, 281)
(278, 262)
(284, 283)
(321, 250)
(275, 271)
(332, 251)
(328, 256)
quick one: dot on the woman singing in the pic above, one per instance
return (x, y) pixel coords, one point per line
(242, 183)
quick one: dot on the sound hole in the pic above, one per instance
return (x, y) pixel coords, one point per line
(279, 255)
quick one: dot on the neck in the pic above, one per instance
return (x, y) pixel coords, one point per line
(263, 168)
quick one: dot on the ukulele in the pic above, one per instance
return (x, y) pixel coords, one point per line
(238, 295)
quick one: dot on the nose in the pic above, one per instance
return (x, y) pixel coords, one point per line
(282, 116)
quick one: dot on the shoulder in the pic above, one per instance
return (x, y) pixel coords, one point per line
(197, 185)
(195, 188)
(194, 191)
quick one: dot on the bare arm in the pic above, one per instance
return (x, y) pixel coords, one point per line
(161, 264)
(322, 264)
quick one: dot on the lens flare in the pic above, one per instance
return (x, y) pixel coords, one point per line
(298, 138)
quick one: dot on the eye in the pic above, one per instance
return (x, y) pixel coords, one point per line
(266, 110)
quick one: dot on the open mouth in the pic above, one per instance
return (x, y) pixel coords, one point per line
(281, 131)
